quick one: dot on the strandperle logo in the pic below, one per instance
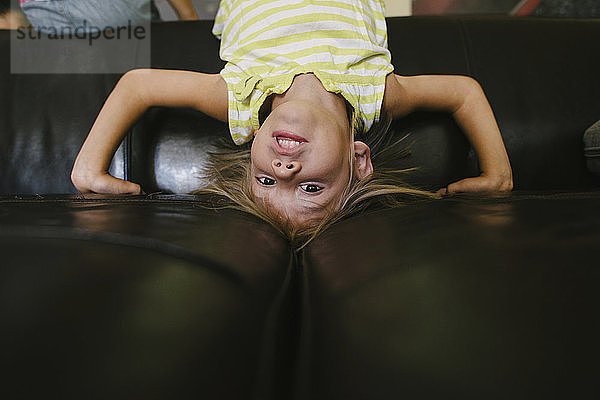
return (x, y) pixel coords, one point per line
(84, 31)
(80, 49)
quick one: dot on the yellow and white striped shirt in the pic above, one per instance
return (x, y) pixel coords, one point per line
(266, 43)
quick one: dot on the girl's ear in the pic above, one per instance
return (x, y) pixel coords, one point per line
(363, 168)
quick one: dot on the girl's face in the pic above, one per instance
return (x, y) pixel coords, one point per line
(301, 161)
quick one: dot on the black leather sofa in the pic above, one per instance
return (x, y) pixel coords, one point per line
(159, 297)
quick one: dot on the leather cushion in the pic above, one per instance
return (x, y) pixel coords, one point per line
(463, 298)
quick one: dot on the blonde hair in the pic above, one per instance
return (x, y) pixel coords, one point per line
(229, 175)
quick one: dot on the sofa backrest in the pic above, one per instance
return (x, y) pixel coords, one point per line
(540, 75)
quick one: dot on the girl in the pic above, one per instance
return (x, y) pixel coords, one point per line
(304, 79)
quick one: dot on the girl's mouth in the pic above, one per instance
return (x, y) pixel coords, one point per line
(287, 142)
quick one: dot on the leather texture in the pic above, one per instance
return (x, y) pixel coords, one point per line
(464, 298)
(170, 296)
(141, 297)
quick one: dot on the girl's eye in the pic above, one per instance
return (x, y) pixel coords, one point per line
(311, 188)
(263, 180)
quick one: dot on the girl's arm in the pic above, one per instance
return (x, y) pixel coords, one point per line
(135, 92)
(464, 99)
(184, 9)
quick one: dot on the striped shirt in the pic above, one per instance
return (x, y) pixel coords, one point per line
(266, 43)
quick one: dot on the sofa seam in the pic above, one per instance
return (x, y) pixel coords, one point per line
(467, 46)
(270, 335)
(302, 384)
(127, 150)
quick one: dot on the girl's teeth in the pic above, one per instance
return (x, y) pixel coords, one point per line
(287, 143)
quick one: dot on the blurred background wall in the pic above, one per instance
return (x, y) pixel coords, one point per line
(207, 9)
(539, 8)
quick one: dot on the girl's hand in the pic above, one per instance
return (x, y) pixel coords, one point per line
(464, 98)
(103, 183)
(482, 183)
(134, 93)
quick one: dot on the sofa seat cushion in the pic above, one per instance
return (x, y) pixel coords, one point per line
(140, 298)
(467, 298)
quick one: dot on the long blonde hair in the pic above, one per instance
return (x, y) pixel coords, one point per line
(228, 172)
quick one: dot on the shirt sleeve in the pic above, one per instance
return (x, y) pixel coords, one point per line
(221, 18)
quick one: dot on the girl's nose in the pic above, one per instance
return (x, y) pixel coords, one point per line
(285, 169)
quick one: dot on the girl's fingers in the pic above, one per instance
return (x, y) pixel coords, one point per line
(467, 185)
(478, 184)
(108, 184)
